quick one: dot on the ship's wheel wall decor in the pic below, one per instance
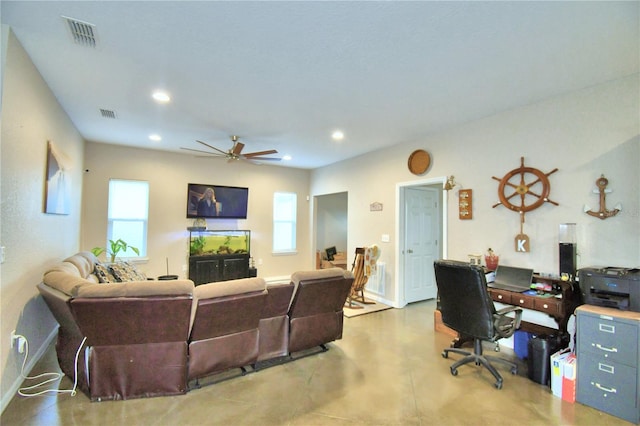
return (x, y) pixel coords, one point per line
(522, 190)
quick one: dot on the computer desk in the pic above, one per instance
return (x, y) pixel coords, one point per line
(559, 308)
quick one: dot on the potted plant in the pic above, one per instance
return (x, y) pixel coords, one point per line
(115, 247)
(197, 245)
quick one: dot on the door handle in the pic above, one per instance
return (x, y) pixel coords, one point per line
(409, 251)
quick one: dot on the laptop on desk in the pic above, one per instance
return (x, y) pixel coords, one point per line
(512, 279)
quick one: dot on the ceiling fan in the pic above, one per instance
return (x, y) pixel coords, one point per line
(235, 152)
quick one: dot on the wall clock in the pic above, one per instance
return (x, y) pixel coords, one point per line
(419, 161)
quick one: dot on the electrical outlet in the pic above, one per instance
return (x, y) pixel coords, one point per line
(21, 341)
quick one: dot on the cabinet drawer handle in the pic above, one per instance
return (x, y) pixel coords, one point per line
(521, 300)
(545, 306)
(500, 296)
(599, 346)
(610, 390)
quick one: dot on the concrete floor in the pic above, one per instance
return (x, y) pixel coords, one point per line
(387, 370)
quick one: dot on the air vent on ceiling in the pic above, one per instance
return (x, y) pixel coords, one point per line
(107, 113)
(83, 33)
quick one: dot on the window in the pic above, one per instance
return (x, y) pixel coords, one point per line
(284, 222)
(129, 214)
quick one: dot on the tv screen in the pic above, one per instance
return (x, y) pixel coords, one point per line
(216, 202)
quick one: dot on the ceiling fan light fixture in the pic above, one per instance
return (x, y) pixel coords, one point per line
(155, 137)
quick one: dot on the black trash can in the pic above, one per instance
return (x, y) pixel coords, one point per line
(540, 349)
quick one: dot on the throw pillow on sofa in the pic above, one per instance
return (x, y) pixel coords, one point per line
(104, 274)
(125, 271)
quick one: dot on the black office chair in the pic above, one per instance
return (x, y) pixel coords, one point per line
(467, 308)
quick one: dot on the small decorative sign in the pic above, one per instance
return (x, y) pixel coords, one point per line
(522, 243)
(375, 207)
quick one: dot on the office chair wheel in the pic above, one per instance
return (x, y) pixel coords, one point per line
(445, 354)
(498, 385)
(454, 371)
(497, 348)
(514, 370)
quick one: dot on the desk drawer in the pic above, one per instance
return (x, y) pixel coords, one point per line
(522, 300)
(550, 305)
(500, 296)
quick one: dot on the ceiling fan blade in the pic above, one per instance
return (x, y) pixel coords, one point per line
(263, 158)
(212, 147)
(204, 152)
(237, 148)
(259, 153)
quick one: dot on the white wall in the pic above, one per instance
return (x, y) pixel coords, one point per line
(168, 175)
(584, 134)
(33, 240)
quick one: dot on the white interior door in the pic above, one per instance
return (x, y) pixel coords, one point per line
(421, 245)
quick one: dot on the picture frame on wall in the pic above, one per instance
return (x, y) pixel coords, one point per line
(57, 185)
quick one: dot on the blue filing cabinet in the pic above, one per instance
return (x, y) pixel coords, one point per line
(608, 354)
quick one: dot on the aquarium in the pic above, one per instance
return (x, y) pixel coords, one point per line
(207, 242)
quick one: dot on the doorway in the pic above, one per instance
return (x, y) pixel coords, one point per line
(421, 230)
(331, 212)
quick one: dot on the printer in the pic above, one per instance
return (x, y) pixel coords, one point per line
(611, 287)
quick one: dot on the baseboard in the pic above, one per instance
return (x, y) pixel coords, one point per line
(379, 299)
(35, 357)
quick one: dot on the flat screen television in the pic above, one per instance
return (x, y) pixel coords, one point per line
(216, 202)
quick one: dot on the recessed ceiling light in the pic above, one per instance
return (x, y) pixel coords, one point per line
(337, 135)
(286, 158)
(155, 137)
(161, 97)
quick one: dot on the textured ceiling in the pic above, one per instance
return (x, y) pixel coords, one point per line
(284, 75)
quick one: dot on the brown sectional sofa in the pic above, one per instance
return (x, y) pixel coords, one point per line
(152, 338)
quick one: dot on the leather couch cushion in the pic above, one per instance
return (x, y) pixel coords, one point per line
(318, 274)
(65, 277)
(138, 289)
(296, 277)
(228, 288)
(84, 261)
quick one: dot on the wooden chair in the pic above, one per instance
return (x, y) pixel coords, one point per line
(359, 281)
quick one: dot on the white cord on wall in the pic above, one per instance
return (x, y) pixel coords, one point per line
(56, 376)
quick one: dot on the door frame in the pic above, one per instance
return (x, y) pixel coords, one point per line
(399, 297)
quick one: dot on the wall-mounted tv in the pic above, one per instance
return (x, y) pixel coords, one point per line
(216, 202)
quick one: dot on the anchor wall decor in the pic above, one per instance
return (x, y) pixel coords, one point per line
(603, 213)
